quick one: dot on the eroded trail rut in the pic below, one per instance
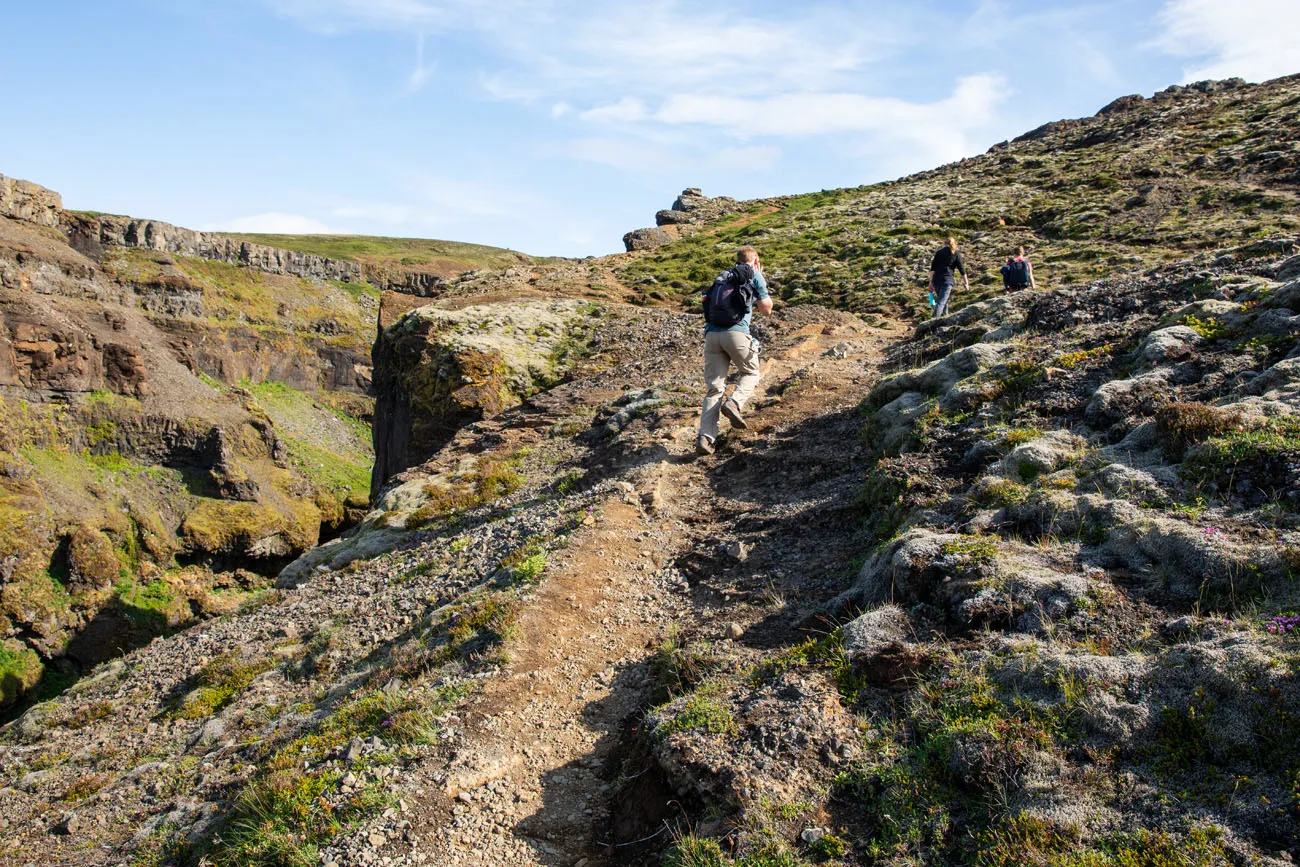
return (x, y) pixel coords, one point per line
(537, 777)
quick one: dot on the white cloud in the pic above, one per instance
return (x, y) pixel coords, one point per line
(803, 114)
(276, 223)
(626, 110)
(1253, 39)
(560, 109)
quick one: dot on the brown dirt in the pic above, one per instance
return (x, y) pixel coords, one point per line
(529, 782)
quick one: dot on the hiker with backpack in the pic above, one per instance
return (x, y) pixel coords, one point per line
(946, 261)
(728, 307)
(1018, 273)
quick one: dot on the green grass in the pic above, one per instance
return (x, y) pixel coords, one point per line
(1028, 839)
(221, 681)
(702, 710)
(329, 471)
(1263, 452)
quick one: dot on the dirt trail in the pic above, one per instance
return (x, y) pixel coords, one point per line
(530, 782)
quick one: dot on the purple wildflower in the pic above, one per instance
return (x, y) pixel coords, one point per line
(1282, 624)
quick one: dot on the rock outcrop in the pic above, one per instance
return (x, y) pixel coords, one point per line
(441, 369)
(690, 210)
(32, 203)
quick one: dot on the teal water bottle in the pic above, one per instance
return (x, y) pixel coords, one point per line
(929, 296)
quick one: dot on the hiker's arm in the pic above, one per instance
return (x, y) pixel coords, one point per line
(763, 303)
(1033, 284)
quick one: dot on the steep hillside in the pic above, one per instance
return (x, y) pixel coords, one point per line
(1015, 586)
(1145, 182)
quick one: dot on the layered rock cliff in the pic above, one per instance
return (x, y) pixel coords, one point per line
(168, 439)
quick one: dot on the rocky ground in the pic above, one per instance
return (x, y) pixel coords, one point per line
(1015, 586)
(519, 616)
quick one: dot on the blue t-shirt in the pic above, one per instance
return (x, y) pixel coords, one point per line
(760, 294)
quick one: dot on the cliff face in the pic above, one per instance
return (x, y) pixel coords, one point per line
(91, 233)
(32, 203)
(173, 430)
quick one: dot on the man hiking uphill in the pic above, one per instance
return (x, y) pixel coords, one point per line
(946, 261)
(728, 306)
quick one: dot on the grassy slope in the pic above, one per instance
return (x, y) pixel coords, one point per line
(418, 254)
(1134, 188)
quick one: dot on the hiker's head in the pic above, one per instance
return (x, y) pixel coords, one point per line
(747, 256)
(952, 243)
(1020, 251)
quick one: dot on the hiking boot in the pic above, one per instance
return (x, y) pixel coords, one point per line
(731, 410)
(703, 446)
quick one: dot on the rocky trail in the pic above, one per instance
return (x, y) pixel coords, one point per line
(545, 772)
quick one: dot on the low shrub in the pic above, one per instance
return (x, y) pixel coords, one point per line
(1182, 425)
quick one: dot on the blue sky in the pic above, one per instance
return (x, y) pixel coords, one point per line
(554, 126)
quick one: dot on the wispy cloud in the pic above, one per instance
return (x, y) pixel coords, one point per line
(419, 76)
(626, 110)
(1253, 39)
(940, 127)
(276, 223)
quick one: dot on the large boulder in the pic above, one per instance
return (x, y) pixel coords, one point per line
(438, 369)
(1189, 562)
(647, 239)
(1169, 344)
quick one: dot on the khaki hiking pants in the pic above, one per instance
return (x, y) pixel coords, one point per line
(721, 350)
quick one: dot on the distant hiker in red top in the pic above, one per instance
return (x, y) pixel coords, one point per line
(1018, 273)
(946, 261)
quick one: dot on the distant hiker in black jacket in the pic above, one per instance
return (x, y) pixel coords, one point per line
(1018, 273)
(946, 261)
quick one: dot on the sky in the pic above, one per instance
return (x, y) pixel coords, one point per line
(554, 126)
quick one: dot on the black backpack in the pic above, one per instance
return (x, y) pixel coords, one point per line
(1018, 273)
(730, 298)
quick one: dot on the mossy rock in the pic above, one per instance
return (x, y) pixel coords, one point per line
(253, 530)
(20, 669)
(93, 562)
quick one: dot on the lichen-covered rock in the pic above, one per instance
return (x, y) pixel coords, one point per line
(938, 377)
(732, 745)
(1122, 397)
(1229, 312)
(1279, 382)
(895, 420)
(1189, 561)
(1130, 483)
(881, 648)
(1168, 344)
(1041, 455)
